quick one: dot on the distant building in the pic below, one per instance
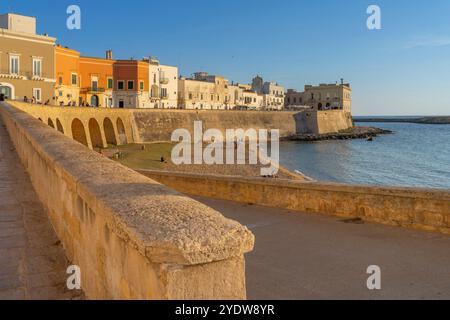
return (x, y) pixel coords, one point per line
(163, 85)
(131, 87)
(204, 92)
(273, 94)
(27, 60)
(67, 88)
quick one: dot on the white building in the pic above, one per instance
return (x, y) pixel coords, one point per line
(163, 82)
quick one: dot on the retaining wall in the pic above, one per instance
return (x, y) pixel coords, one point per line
(424, 209)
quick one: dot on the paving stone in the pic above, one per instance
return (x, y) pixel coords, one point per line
(32, 260)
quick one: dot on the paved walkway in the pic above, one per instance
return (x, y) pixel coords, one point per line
(32, 261)
(300, 256)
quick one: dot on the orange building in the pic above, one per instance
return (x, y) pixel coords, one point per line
(97, 81)
(131, 87)
(67, 88)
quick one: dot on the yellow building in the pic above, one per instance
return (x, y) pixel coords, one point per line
(27, 60)
(322, 97)
(203, 91)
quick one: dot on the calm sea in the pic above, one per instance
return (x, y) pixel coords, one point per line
(416, 155)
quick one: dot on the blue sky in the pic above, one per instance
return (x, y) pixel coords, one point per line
(403, 69)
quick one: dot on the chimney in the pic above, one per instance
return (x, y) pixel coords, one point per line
(109, 55)
(342, 81)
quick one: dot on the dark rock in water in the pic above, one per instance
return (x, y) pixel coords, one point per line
(368, 133)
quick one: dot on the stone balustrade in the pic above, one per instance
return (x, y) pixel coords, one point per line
(132, 237)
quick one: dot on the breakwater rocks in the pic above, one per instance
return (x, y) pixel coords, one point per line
(354, 133)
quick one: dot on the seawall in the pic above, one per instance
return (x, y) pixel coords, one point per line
(423, 209)
(98, 127)
(322, 122)
(132, 237)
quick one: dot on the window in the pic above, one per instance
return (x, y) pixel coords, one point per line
(94, 85)
(154, 78)
(120, 85)
(37, 67)
(164, 92)
(110, 83)
(60, 80)
(74, 79)
(37, 94)
(14, 65)
(141, 85)
(60, 93)
(130, 85)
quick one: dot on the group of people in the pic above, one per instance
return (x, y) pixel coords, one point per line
(33, 100)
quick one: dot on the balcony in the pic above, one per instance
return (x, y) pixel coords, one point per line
(163, 80)
(6, 74)
(92, 90)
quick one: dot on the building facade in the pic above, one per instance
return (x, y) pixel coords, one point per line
(323, 97)
(273, 94)
(203, 92)
(131, 84)
(163, 85)
(27, 60)
(67, 88)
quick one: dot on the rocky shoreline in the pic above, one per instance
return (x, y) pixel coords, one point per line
(354, 133)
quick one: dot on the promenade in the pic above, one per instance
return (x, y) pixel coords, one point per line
(32, 260)
(301, 256)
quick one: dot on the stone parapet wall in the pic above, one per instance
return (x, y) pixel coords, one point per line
(423, 209)
(132, 237)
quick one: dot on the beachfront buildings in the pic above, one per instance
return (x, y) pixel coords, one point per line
(203, 92)
(131, 84)
(27, 60)
(83, 81)
(163, 81)
(322, 97)
(273, 94)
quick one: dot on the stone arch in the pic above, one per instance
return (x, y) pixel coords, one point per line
(78, 132)
(7, 90)
(108, 128)
(59, 126)
(121, 131)
(95, 134)
(50, 123)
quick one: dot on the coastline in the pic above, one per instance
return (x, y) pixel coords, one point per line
(358, 132)
(418, 120)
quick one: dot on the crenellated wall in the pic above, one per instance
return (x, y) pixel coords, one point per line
(423, 209)
(132, 237)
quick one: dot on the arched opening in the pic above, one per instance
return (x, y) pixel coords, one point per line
(78, 132)
(59, 126)
(328, 106)
(109, 132)
(95, 133)
(121, 131)
(319, 106)
(94, 101)
(50, 123)
(7, 91)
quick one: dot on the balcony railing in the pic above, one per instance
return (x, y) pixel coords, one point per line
(24, 75)
(163, 80)
(93, 90)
